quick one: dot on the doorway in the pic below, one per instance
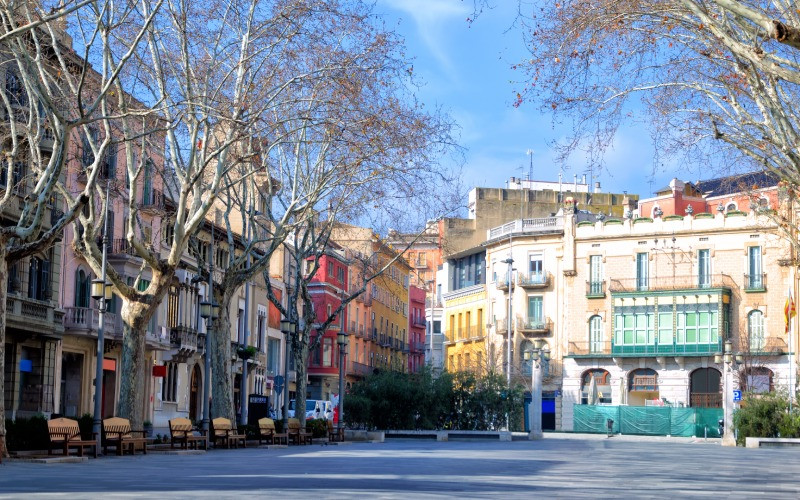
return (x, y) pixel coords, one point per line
(194, 392)
(109, 387)
(71, 368)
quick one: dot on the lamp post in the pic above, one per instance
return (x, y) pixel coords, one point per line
(101, 291)
(540, 352)
(209, 311)
(341, 339)
(288, 328)
(730, 361)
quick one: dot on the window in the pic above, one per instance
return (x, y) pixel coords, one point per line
(759, 380)
(87, 153)
(535, 312)
(81, 289)
(169, 384)
(704, 268)
(595, 275)
(641, 271)
(755, 330)
(327, 352)
(340, 274)
(38, 278)
(109, 168)
(595, 334)
(147, 187)
(535, 268)
(262, 329)
(330, 270)
(696, 327)
(273, 356)
(754, 278)
(634, 329)
(240, 325)
(15, 88)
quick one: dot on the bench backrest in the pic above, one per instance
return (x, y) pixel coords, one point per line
(294, 425)
(180, 427)
(60, 429)
(266, 425)
(221, 426)
(117, 425)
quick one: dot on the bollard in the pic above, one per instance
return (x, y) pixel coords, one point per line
(610, 426)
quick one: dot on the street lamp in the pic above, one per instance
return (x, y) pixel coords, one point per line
(341, 339)
(288, 328)
(209, 311)
(730, 360)
(540, 352)
(101, 292)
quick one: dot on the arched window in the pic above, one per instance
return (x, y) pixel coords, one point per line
(763, 203)
(81, 289)
(595, 334)
(705, 388)
(758, 379)
(755, 330)
(596, 387)
(643, 380)
(730, 207)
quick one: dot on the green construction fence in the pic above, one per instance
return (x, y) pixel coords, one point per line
(648, 420)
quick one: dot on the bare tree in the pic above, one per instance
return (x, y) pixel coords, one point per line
(348, 136)
(718, 79)
(203, 84)
(53, 96)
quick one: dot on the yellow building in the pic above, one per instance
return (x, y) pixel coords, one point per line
(465, 331)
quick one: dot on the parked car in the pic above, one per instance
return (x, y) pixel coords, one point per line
(314, 409)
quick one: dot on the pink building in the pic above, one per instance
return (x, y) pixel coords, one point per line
(416, 329)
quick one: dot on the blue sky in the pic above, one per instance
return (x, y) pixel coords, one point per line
(466, 69)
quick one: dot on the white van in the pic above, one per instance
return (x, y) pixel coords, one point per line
(314, 409)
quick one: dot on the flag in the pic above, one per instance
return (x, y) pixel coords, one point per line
(789, 310)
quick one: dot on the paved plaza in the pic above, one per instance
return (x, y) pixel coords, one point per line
(558, 466)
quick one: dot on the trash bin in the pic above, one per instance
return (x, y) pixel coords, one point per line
(257, 408)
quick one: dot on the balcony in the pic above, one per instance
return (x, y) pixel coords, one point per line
(374, 336)
(522, 226)
(152, 200)
(534, 280)
(86, 321)
(55, 216)
(670, 283)
(755, 283)
(418, 322)
(360, 369)
(501, 327)
(121, 249)
(595, 289)
(502, 281)
(609, 349)
(534, 326)
(421, 263)
(184, 339)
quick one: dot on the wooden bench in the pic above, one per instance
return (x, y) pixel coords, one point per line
(182, 432)
(64, 433)
(335, 433)
(266, 431)
(117, 432)
(297, 433)
(223, 432)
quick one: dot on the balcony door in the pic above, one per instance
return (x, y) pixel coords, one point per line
(535, 268)
(535, 311)
(703, 268)
(642, 271)
(754, 267)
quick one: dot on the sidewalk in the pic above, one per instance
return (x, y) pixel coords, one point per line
(630, 438)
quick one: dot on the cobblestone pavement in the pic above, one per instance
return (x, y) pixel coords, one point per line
(564, 466)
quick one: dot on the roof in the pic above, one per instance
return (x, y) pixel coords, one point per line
(731, 184)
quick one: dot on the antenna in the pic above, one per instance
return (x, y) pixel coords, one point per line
(530, 169)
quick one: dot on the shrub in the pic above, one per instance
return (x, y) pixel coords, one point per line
(762, 415)
(86, 424)
(27, 434)
(318, 427)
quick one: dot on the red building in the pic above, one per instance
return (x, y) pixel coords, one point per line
(725, 194)
(327, 288)
(416, 329)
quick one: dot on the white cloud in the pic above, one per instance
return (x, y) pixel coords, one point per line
(430, 16)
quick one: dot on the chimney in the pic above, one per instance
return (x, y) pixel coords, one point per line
(583, 181)
(596, 187)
